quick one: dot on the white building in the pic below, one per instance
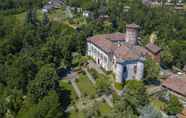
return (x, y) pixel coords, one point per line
(119, 52)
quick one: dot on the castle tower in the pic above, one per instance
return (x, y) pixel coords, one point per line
(132, 33)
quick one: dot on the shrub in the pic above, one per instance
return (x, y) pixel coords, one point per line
(174, 106)
(119, 86)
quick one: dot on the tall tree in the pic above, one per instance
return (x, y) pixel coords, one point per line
(45, 80)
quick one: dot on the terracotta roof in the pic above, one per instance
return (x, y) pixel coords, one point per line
(115, 36)
(104, 42)
(152, 48)
(182, 114)
(127, 52)
(176, 85)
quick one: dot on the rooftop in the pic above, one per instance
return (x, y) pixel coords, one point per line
(175, 84)
(153, 48)
(125, 51)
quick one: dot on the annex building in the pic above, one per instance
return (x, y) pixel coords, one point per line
(120, 53)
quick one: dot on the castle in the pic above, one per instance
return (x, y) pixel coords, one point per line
(120, 53)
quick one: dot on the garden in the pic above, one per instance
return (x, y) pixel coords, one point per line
(91, 94)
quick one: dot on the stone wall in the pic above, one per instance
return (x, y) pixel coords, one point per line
(129, 70)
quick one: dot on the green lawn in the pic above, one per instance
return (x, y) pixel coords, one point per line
(67, 86)
(74, 114)
(86, 86)
(104, 108)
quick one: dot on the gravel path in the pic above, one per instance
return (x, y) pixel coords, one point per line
(89, 76)
(76, 88)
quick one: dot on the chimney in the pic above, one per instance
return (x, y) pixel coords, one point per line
(132, 33)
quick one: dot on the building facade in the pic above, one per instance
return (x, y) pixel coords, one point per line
(119, 52)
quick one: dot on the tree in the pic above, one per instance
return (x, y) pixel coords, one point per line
(122, 109)
(174, 106)
(167, 57)
(152, 70)
(20, 72)
(136, 94)
(48, 107)
(31, 17)
(45, 80)
(102, 86)
(129, 105)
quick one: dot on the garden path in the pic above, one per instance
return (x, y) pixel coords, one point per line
(76, 88)
(89, 76)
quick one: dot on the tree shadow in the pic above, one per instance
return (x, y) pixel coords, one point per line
(62, 72)
(152, 82)
(65, 100)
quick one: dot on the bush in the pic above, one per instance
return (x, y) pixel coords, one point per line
(174, 106)
(119, 86)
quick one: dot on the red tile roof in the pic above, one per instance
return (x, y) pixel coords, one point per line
(126, 51)
(115, 36)
(176, 85)
(102, 43)
(152, 48)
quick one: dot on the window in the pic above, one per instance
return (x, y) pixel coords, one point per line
(124, 69)
(135, 69)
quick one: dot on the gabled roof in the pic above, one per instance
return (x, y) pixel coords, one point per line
(115, 36)
(153, 48)
(126, 51)
(175, 84)
(102, 43)
(129, 53)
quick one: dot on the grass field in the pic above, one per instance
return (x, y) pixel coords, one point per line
(104, 108)
(74, 114)
(86, 86)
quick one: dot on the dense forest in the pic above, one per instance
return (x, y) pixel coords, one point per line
(32, 52)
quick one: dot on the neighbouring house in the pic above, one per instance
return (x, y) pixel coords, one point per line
(52, 4)
(87, 13)
(120, 53)
(153, 51)
(182, 114)
(176, 86)
(178, 4)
